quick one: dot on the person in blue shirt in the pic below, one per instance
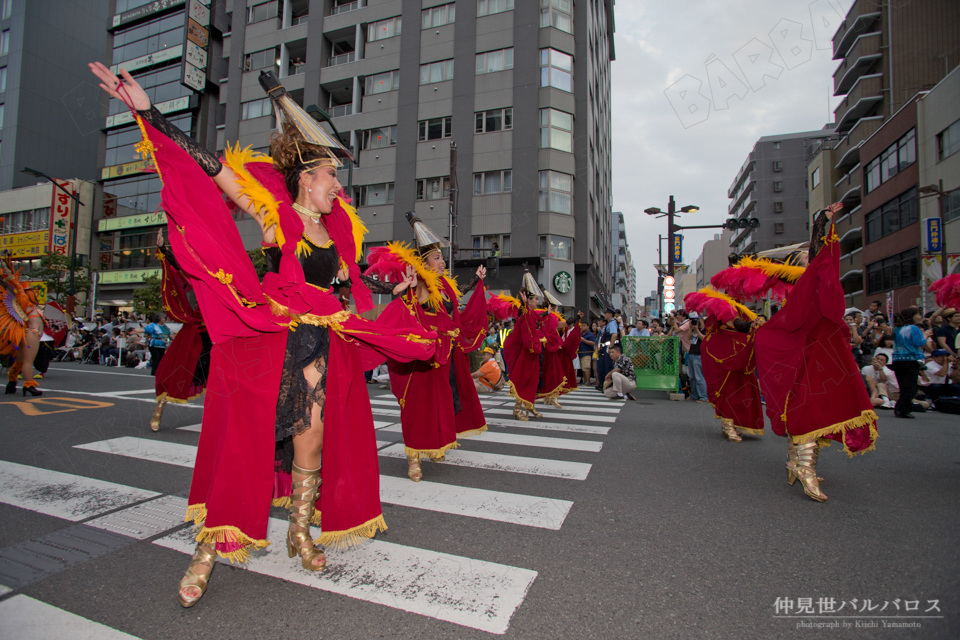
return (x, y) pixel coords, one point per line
(158, 336)
(609, 335)
(908, 356)
(587, 341)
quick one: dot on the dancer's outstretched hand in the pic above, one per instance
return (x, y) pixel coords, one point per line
(481, 272)
(833, 209)
(131, 94)
(409, 280)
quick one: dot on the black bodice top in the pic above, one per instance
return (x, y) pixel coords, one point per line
(320, 264)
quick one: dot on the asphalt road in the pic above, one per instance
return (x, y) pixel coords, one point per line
(642, 523)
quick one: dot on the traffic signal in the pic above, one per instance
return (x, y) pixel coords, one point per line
(741, 223)
(669, 294)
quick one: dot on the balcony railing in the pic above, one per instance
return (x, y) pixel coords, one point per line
(296, 20)
(343, 58)
(341, 110)
(344, 8)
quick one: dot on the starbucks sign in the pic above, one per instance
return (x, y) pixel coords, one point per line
(562, 281)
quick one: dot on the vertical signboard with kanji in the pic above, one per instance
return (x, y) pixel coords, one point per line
(61, 218)
(196, 46)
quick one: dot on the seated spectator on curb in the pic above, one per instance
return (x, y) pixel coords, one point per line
(881, 382)
(946, 335)
(622, 379)
(940, 376)
(488, 378)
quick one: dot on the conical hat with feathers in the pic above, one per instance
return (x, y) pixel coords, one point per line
(427, 240)
(549, 297)
(290, 113)
(530, 285)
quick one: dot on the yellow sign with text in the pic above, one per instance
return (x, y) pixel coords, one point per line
(25, 245)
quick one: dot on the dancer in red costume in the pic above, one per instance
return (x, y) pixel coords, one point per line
(287, 363)
(812, 387)
(558, 377)
(569, 345)
(183, 371)
(438, 400)
(523, 348)
(21, 325)
(728, 362)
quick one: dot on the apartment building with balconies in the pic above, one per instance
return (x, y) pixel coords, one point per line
(772, 187)
(522, 89)
(887, 53)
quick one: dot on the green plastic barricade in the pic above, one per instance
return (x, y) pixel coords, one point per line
(656, 361)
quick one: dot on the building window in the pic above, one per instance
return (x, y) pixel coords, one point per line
(556, 192)
(901, 270)
(778, 186)
(494, 61)
(438, 16)
(778, 207)
(383, 29)
(556, 130)
(379, 138)
(892, 216)
(815, 178)
(371, 195)
(487, 242)
(556, 70)
(496, 120)
(894, 159)
(948, 141)
(148, 38)
(488, 7)
(5, 42)
(3, 79)
(1, 115)
(263, 11)
(23, 221)
(951, 205)
(433, 188)
(436, 129)
(436, 72)
(556, 248)
(492, 182)
(256, 109)
(776, 145)
(778, 165)
(778, 227)
(556, 13)
(383, 82)
(7, 9)
(121, 143)
(261, 60)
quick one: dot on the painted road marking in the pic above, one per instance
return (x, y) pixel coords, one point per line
(115, 397)
(526, 441)
(530, 511)
(511, 464)
(103, 373)
(535, 423)
(146, 519)
(25, 618)
(560, 415)
(130, 393)
(181, 455)
(63, 495)
(31, 407)
(190, 427)
(472, 593)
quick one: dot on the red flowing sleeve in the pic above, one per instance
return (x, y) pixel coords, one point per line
(473, 321)
(571, 343)
(549, 330)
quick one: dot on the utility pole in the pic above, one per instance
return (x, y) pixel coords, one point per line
(671, 210)
(453, 204)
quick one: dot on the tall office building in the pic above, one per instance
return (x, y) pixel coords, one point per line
(771, 186)
(521, 87)
(887, 53)
(624, 274)
(173, 49)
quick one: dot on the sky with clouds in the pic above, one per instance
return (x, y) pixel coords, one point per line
(728, 53)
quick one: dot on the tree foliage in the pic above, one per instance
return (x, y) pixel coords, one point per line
(148, 298)
(54, 270)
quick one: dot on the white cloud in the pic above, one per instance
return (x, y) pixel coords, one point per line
(654, 156)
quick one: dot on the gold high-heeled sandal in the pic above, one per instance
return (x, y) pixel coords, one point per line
(414, 472)
(554, 401)
(158, 414)
(192, 578)
(518, 412)
(730, 432)
(305, 492)
(792, 458)
(532, 411)
(802, 466)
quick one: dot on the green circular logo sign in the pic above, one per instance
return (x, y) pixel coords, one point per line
(562, 281)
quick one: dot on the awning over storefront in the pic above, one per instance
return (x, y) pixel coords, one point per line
(114, 303)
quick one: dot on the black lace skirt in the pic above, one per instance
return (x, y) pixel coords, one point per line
(308, 346)
(202, 372)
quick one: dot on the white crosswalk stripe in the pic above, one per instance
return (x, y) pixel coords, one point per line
(473, 593)
(25, 618)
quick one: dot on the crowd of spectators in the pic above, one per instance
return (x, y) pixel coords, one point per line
(113, 340)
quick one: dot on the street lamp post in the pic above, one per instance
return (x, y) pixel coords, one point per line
(670, 213)
(74, 224)
(931, 190)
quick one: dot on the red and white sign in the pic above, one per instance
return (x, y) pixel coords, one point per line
(61, 218)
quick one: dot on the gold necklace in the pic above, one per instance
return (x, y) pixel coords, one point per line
(313, 215)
